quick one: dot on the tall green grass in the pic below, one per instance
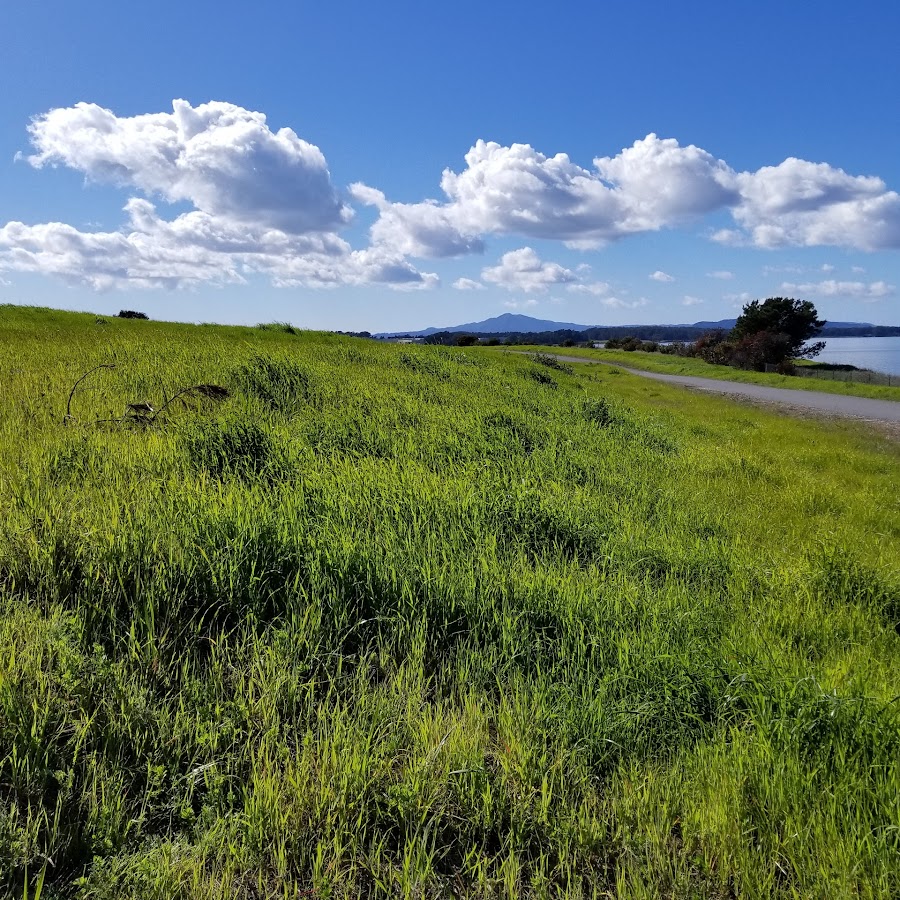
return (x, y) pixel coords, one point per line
(694, 366)
(418, 622)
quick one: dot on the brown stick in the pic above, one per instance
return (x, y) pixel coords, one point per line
(207, 391)
(68, 416)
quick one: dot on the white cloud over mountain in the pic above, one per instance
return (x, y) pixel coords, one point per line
(530, 303)
(597, 288)
(861, 290)
(523, 270)
(263, 202)
(468, 284)
(619, 303)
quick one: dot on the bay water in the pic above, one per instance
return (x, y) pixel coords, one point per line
(880, 354)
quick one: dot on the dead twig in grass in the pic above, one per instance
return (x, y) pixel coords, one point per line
(214, 392)
(144, 413)
(68, 416)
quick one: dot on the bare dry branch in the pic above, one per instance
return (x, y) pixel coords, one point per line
(68, 416)
(214, 392)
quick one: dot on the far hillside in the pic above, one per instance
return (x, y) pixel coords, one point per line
(513, 327)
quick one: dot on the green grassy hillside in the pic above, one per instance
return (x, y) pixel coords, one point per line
(422, 622)
(688, 365)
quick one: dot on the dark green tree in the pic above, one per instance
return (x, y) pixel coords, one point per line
(777, 329)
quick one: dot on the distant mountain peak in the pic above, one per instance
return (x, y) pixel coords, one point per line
(517, 322)
(506, 322)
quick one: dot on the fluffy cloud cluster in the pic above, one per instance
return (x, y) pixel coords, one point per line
(619, 303)
(530, 303)
(415, 229)
(654, 184)
(799, 203)
(221, 158)
(195, 249)
(523, 270)
(263, 203)
(517, 190)
(468, 284)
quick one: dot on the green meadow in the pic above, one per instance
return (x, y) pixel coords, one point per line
(687, 365)
(405, 621)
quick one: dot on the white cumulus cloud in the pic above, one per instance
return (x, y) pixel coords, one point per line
(195, 248)
(530, 303)
(517, 190)
(800, 203)
(656, 183)
(873, 290)
(663, 277)
(416, 229)
(597, 288)
(468, 284)
(721, 275)
(688, 300)
(263, 203)
(663, 183)
(523, 270)
(219, 157)
(619, 303)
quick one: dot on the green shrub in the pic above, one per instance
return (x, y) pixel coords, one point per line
(233, 448)
(551, 362)
(542, 378)
(600, 411)
(280, 383)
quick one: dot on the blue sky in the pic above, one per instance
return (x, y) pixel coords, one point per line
(398, 165)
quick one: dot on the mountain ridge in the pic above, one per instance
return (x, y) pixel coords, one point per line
(516, 323)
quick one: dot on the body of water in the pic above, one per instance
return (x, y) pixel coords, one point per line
(881, 354)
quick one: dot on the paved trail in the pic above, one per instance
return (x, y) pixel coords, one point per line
(830, 404)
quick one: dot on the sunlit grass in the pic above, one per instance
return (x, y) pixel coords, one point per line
(686, 365)
(412, 621)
